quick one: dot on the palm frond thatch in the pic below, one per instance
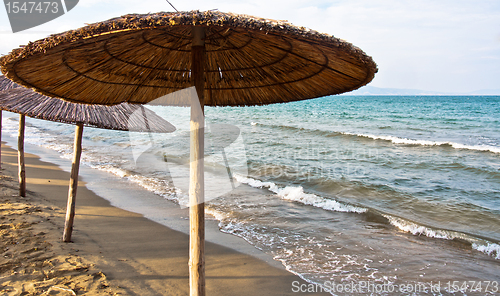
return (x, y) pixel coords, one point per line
(139, 57)
(125, 117)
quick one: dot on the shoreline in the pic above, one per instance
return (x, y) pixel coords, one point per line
(130, 196)
(138, 255)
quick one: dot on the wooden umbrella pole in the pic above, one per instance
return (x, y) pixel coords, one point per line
(73, 184)
(20, 156)
(0, 139)
(197, 182)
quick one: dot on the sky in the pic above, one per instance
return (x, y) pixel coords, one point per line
(450, 46)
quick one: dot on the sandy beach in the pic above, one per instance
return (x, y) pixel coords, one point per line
(114, 252)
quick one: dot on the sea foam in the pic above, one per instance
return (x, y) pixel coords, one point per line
(481, 245)
(406, 141)
(297, 194)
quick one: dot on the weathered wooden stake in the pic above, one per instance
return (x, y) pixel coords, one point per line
(0, 139)
(73, 184)
(197, 181)
(20, 156)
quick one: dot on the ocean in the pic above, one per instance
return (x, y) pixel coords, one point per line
(380, 190)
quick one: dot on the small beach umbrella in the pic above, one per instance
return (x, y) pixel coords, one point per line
(122, 117)
(5, 84)
(232, 60)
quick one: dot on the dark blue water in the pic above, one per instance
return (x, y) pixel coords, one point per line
(396, 189)
(433, 160)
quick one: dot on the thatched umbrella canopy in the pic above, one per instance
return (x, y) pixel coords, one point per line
(138, 58)
(232, 60)
(124, 117)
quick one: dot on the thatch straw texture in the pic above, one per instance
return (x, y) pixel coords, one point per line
(138, 58)
(125, 117)
(6, 83)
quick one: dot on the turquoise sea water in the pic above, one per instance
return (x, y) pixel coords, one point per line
(384, 189)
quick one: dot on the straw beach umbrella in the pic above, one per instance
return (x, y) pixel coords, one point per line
(5, 84)
(232, 60)
(124, 117)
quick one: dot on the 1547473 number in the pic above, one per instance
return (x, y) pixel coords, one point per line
(32, 7)
(472, 286)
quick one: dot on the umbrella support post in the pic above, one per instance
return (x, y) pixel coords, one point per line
(73, 184)
(0, 139)
(20, 156)
(196, 181)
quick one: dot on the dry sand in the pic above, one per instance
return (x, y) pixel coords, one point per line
(113, 251)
